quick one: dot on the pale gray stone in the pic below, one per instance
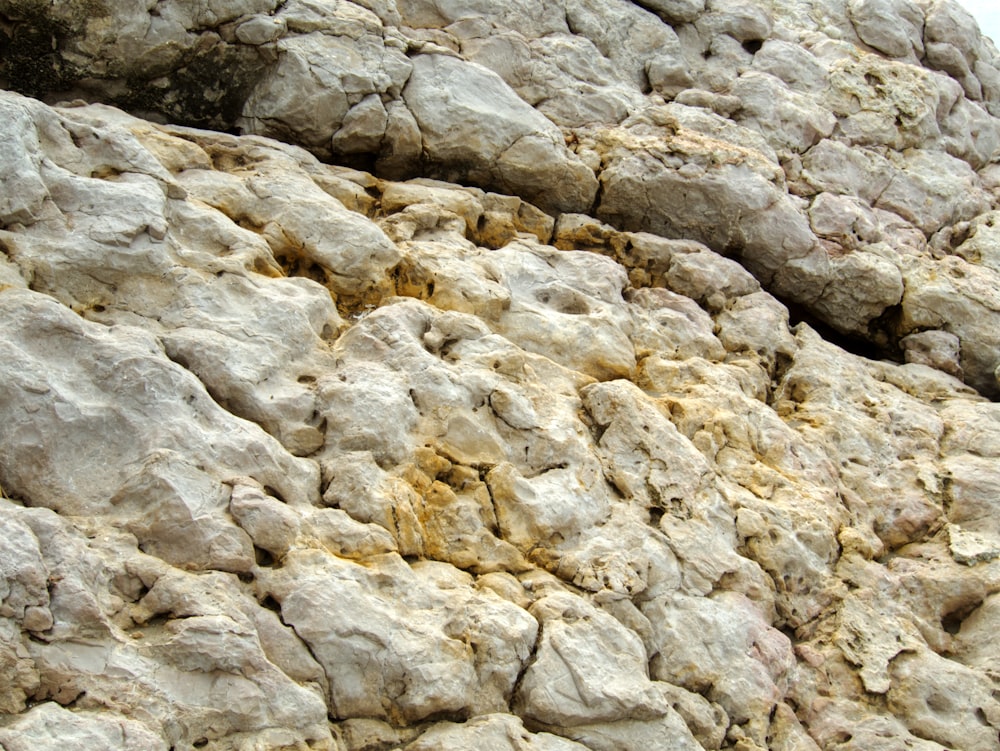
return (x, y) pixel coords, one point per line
(972, 487)
(723, 648)
(500, 732)
(846, 221)
(704, 719)
(24, 191)
(471, 120)
(950, 23)
(24, 582)
(871, 283)
(363, 128)
(963, 295)
(740, 20)
(271, 524)
(49, 727)
(547, 507)
(629, 36)
(16, 662)
(721, 175)
(644, 456)
(668, 322)
(261, 30)
(177, 512)
(789, 120)
(835, 167)
(794, 65)
(949, 58)
(983, 243)
(676, 11)
(343, 536)
(306, 95)
(565, 76)
(938, 349)
(932, 190)
(288, 443)
(894, 27)
(106, 385)
(755, 323)
(635, 735)
(925, 693)
(721, 104)
(973, 644)
(709, 278)
(589, 669)
(562, 309)
(352, 621)
(403, 142)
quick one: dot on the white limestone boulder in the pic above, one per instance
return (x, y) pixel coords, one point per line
(472, 124)
(589, 669)
(502, 732)
(113, 380)
(49, 726)
(417, 625)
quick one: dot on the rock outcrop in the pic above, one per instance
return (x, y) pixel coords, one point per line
(398, 374)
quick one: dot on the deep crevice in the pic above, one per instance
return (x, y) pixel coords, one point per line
(952, 621)
(852, 343)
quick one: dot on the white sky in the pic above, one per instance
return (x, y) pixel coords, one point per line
(987, 13)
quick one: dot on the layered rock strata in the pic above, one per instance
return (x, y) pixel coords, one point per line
(503, 435)
(842, 151)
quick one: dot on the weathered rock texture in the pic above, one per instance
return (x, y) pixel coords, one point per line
(469, 413)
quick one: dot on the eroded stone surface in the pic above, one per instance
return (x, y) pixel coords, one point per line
(891, 101)
(502, 435)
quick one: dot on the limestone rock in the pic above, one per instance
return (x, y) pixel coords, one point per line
(605, 683)
(531, 422)
(963, 295)
(25, 578)
(468, 117)
(374, 75)
(892, 27)
(676, 11)
(426, 666)
(632, 735)
(490, 731)
(16, 662)
(114, 400)
(746, 678)
(644, 455)
(939, 349)
(271, 524)
(318, 78)
(187, 666)
(49, 726)
(971, 641)
(980, 247)
(930, 709)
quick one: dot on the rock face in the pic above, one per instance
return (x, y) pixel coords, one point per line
(420, 375)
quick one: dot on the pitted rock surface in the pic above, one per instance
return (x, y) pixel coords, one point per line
(399, 374)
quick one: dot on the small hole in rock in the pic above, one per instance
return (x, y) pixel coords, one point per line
(271, 604)
(952, 622)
